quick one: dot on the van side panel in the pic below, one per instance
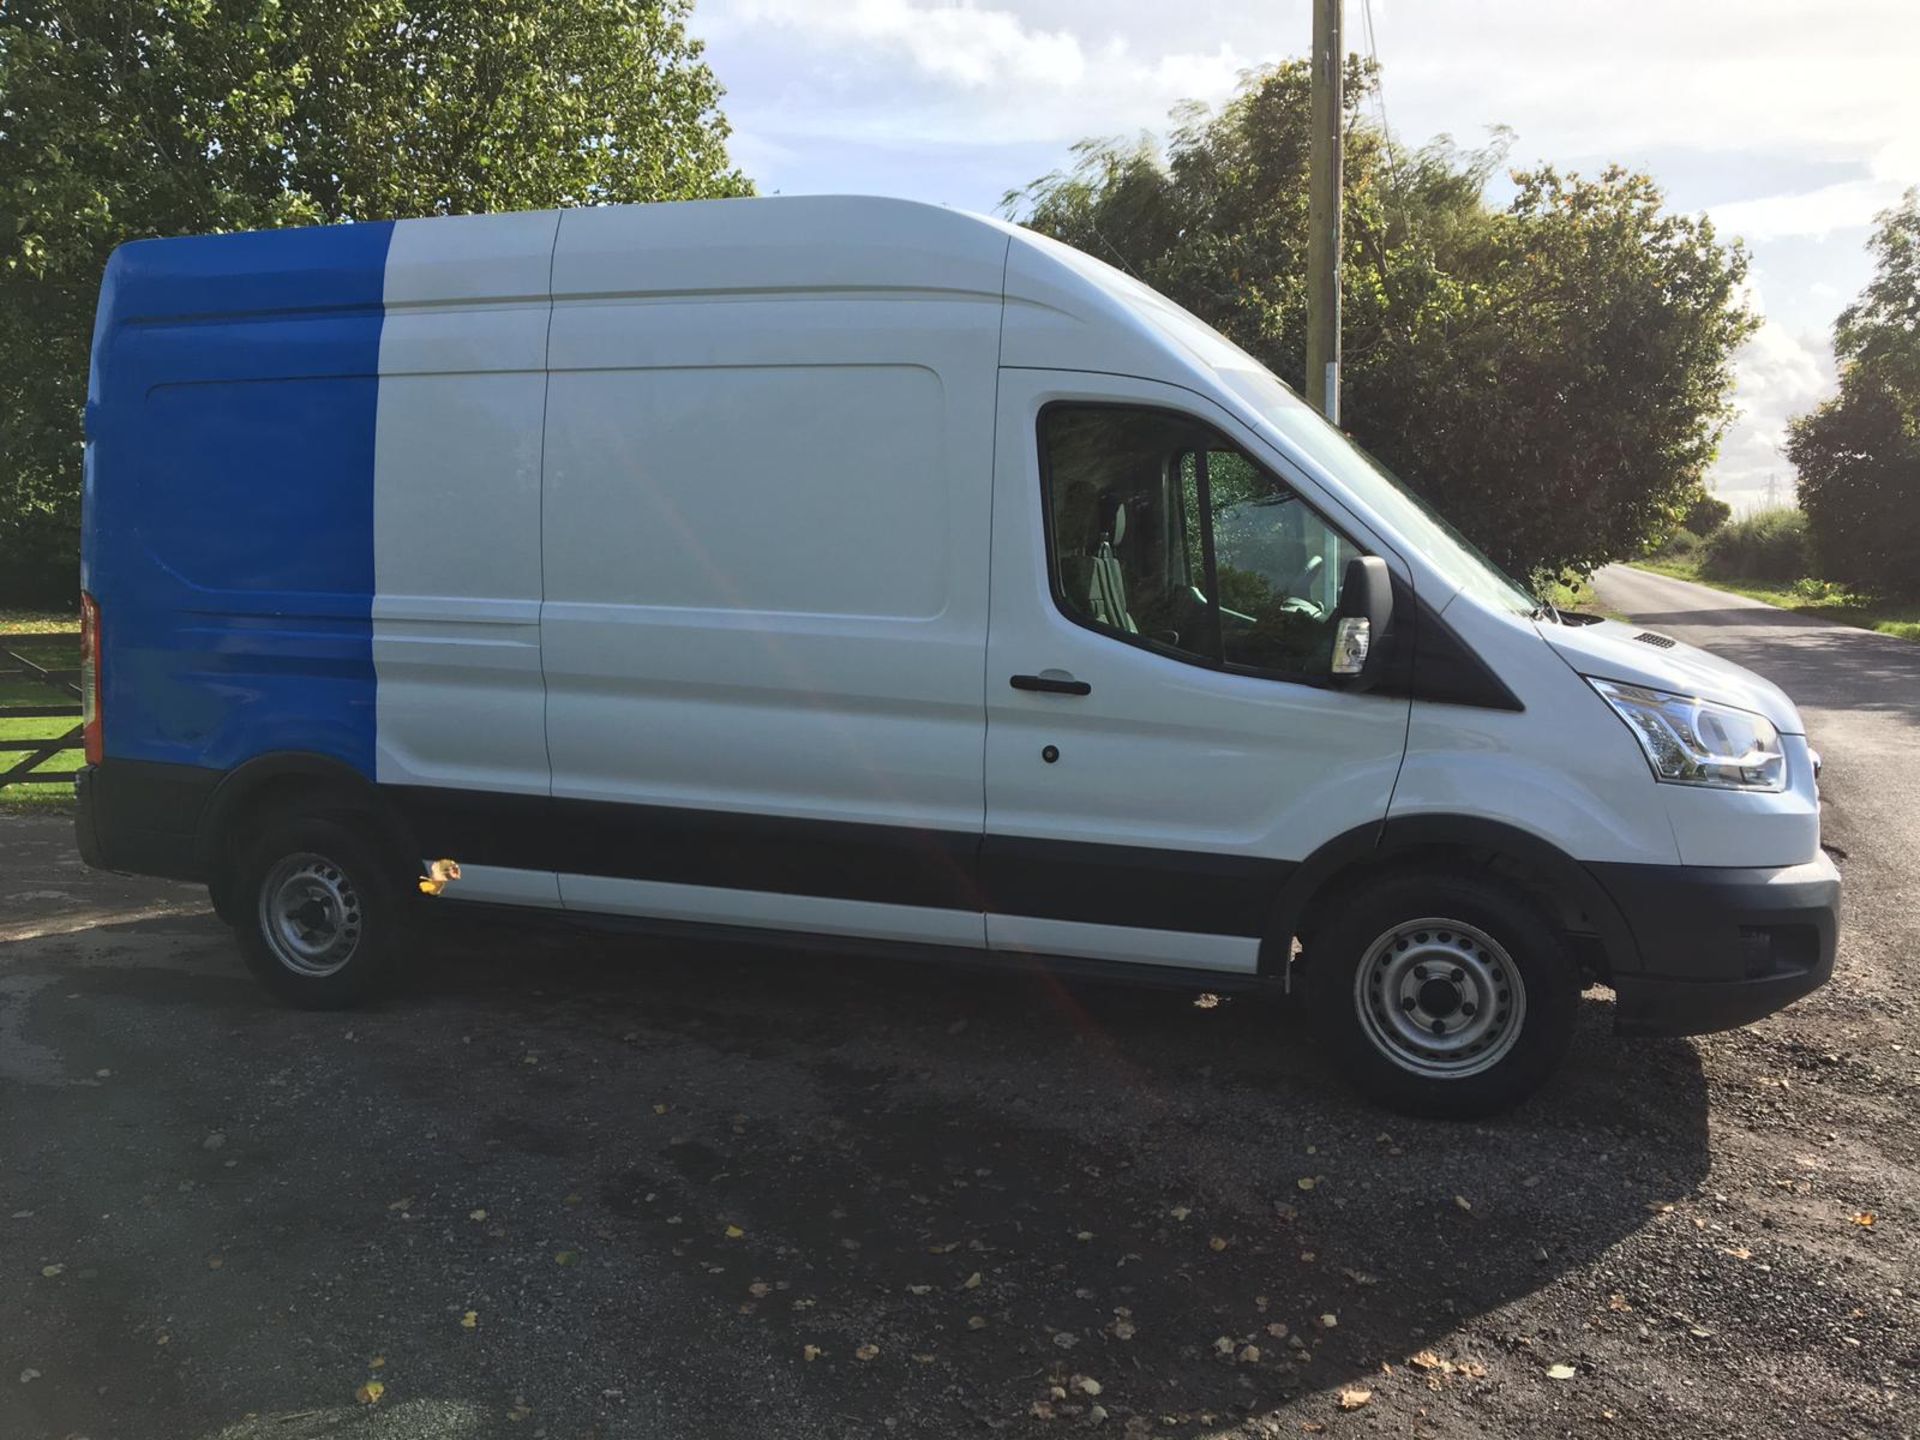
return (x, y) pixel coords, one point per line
(766, 518)
(456, 615)
(228, 530)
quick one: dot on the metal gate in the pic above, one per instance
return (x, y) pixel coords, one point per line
(36, 752)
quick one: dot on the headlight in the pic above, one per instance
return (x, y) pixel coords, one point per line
(1689, 741)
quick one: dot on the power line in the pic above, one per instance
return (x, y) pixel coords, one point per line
(1380, 95)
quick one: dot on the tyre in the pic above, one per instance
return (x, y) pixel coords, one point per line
(317, 915)
(1441, 995)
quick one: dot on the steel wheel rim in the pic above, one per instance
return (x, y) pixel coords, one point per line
(311, 915)
(1440, 998)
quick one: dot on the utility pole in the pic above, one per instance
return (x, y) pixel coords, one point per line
(1323, 215)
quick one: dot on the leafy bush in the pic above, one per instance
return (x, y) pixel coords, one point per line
(1706, 515)
(1678, 546)
(1768, 545)
(1824, 592)
(1859, 453)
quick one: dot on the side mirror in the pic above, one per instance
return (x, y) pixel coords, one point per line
(1360, 623)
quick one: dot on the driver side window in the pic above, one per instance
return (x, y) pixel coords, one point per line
(1165, 535)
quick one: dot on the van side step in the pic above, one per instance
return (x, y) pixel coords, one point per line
(1064, 967)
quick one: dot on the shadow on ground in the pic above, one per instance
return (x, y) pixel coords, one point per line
(656, 1174)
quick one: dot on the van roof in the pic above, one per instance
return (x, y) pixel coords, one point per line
(768, 244)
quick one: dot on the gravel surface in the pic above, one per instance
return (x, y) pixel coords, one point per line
(569, 1186)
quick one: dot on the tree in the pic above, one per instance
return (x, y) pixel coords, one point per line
(1706, 513)
(1858, 455)
(1553, 374)
(128, 118)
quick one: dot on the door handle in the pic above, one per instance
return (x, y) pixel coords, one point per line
(1052, 682)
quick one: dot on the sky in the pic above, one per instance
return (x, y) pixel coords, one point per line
(1790, 124)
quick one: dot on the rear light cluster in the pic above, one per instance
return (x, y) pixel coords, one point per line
(90, 732)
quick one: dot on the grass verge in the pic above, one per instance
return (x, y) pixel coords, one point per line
(1578, 595)
(1888, 617)
(51, 641)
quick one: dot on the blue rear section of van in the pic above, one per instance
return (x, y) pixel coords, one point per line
(228, 521)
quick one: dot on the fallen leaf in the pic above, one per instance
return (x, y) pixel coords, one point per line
(28, 1376)
(49, 1271)
(1277, 1330)
(470, 1320)
(811, 1352)
(867, 1352)
(214, 1262)
(976, 1322)
(659, 1109)
(972, 1282)
(1561, 1372)
(1354, 1399)
(1618, 1304)
(1306, 1182)
(571, 1200)
(1216, 1244)
(1472, 1369)
(405, 1202)
(1463, 1203)
(1249, 1355)
(1329, 1321)
(567, 1257)
(370, 1393)
(1084, 1236)
(1426, 1360)
(476, 1215)
(378, 1362)
(1123, 1330)
(734, 1232)
(759, 1289)
(1864, 1219)
(1223, 1346)
(1738, 1252)
(1087, 1385)
(1180, 1212)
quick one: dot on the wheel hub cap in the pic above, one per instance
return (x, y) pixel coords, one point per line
(1440, 997)
(310, 915)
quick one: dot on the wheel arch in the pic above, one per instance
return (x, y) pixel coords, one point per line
(1561, 886)
(300, 782)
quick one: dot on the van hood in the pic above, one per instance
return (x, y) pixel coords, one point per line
(1608, 650)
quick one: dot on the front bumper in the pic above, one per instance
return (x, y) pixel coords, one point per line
(1720, 947)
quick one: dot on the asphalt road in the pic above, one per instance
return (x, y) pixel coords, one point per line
(569, 1187)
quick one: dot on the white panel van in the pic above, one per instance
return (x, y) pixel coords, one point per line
(893, 577)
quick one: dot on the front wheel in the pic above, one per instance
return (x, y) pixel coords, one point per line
(316, 914)
(1441, 995)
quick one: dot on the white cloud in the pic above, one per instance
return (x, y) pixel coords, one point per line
(972, 73)
(1850, 205)
(1780, 374)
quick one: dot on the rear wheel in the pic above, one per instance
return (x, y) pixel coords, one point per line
(316, 914)
(1442, 995)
